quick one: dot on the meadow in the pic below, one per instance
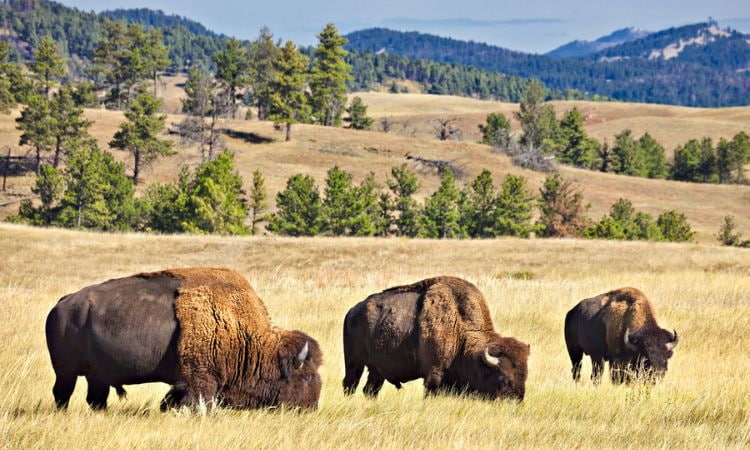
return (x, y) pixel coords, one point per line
(309, 284)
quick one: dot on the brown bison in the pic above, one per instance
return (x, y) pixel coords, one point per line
(620, 327)
(438, 329)
(203, 331)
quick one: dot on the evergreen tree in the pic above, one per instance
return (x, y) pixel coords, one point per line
(263, 55)
(48, 64)
(653, 154)
(731, 158)
(232, 71)
(358, 119)
(441, 217)
(288, 102)
(329, 76)
(674, 227)
(8, 74)
(348, 209)
(496, 130)
(384, 219)
(627, 157)
(258, 201)
(110, 58)
(577, 148)
(217, 204)
(68, 123)
(515, 205)
(139, 134)
(404, 183)
(155, 55)
(479, 214)
(49, 186)
(537, 119)
(686, 162)
(299, 208)
(562, 208)
(37, 126)
(728, 235)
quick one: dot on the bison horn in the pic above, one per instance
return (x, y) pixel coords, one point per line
(675, 340)
(302, 356)
(628, 343)
(492, 361)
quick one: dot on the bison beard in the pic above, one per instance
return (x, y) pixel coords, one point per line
(438, 329)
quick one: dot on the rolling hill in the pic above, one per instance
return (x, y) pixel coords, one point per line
(579, 48)
(316, 149)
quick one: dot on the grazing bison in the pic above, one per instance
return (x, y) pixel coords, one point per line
(438, 329)
(620, 327)
(203, 331)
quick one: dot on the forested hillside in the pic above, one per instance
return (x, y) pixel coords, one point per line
(696, 65)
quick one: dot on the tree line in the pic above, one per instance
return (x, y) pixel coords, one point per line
(566, 141)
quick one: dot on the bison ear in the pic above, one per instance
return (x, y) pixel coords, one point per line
(302, 356)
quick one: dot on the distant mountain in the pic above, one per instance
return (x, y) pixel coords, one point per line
(694, 65)
(158, 19)
(582, 48)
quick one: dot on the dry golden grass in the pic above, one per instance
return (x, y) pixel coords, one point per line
(309, 284)
(315, 149)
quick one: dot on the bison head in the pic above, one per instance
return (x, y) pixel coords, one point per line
(299, 358)
(501, 369)
(653, 347)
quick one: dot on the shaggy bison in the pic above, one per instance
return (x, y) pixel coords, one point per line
(438, 329)
(620, 327)
(203, 331)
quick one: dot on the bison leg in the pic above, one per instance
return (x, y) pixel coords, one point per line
(174, 398)
(433, 382)
(97, 394)
(63, 389)
(576, 358)
(619, 372)
(351, 379)
(597, 367)
(374, 382)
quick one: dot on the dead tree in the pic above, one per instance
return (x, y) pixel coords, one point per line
(438, 165)
(445, 130)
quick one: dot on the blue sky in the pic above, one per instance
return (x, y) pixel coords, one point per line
(529, 25)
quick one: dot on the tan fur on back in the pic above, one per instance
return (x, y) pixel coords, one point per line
(224, 329)
(454, 318)
(627, 308)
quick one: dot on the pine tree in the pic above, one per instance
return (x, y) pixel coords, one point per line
(441, 217)
(358, 119)
(562, 208)
(577, 148)
(675, 227)
(231, 71)
(686, 162)
(48, 64)
(49, 186)
(496, 131)
(480, 207)
(515, 205)
(37, 126)
(404, 183)
(728, 234)
(627, 157)
(7, 97)
(258, 201)
(263, 55)
(329, 76)
(288, 103)
(110, 58)
(156, 55)
(653, 154)
(216, 199)
(139, 134)
(731, 158)
(69, 124)
(538, 122)
(299, 208)
(348, 210)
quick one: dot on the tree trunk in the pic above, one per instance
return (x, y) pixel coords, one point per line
(58, 144)
(288, 131)
(155, 78)
(136, 166)
(6, 169)
(38, 160)
(80, 212)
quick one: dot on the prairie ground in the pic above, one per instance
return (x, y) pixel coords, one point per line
(309, 284)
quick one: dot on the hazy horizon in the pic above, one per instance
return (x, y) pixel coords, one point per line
(536, 26)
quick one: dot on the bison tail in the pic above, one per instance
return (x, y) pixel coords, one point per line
(121, 392)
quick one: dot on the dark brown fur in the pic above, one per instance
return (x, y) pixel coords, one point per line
(597, 327)
(436, 329)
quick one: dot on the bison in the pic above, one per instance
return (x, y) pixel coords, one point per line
(203, 331)
(438, 329)
(620, 327)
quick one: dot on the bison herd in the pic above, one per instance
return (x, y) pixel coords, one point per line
(207, 334)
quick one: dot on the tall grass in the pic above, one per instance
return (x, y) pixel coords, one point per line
(309, 284)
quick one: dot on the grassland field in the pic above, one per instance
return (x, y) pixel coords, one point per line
(701, 290)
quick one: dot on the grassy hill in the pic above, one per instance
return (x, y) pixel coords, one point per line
(309, 284)
(316, 149)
